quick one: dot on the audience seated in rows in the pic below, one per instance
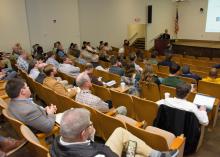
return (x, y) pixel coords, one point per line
(115, 67)
(186, 73)
(51, 59)
(172, 80)
(213, 76)
(180, 102)
(56, 85)
(22, 107)
(78, 139)
(68, 68)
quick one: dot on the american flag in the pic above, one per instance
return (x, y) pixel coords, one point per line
(177, 22)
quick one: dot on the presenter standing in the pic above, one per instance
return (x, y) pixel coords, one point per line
(165, 35)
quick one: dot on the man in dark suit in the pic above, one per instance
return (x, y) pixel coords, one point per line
(165, 35)
(25, 110)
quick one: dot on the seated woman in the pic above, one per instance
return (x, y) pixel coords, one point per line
(149, 76)
(51, 82)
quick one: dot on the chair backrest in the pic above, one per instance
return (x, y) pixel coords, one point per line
(37, 149)
(108, 124)
(163, 69)
(209, 88)
(163, 75)
(200, 73)
(145, 110)
(67, 77)
(3, 104)
(179, 122)
(122, 99)
(50, 97)
(13, 121)
(155, 141)
(164, 89)
(101, 92)
(187, 79)
(65, 103)
(150, 91)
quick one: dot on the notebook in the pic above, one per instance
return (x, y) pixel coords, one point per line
(110, 83)
(201, 99)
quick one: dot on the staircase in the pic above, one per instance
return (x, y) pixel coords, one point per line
(139, 43)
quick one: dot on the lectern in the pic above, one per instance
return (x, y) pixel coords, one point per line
(160, 45)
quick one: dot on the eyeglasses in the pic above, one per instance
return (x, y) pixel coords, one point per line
(90, 124)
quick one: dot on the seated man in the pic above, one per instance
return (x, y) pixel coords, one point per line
(186, 73)
(167, 61)
(213, 76)
(22, 61)
(68, 68)
(51, 82)
(173, 79)
(180, 102)
(86, 97)
(24, 109)
(51, 59)
(115, 69)
(89, 71)
(78, 140)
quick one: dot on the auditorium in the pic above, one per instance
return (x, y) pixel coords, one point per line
(109, 78)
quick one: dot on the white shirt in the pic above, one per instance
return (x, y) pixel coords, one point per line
(185, 105)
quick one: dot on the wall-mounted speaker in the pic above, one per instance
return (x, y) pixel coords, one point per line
(149, 13)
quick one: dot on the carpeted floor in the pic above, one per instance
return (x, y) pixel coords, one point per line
(210, 147)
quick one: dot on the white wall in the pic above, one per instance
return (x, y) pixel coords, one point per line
(192, 22)
(108, 19)
(163, 16)
(13, 25)
(44, 31)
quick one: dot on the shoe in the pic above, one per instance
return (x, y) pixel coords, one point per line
(10, 144)
(2, 154)
(172, 153)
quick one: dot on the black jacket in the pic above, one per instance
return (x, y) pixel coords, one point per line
(80, 150)
(179, 122)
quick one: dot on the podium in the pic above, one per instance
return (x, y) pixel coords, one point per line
(160, 45)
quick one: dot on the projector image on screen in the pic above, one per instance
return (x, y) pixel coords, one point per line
(213, 16)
